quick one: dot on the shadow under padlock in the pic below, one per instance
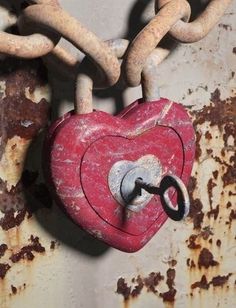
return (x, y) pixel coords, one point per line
(92, 157)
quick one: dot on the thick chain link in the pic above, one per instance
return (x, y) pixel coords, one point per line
(172, 17)
(51, 23)
(201, 26)
(56, 19)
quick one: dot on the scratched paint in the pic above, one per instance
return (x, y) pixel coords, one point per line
(188, 264)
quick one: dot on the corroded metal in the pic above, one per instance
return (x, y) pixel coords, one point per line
(185, 265)
(88, 74)
(56, 19)
(147, 40)
(201, 26)
(24, 103)
(171, 16)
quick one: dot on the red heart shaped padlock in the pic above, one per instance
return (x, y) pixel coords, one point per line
(86, 155)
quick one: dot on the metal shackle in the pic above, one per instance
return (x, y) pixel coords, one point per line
(89, 76)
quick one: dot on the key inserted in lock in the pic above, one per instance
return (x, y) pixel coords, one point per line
(122, 178)
(133, 184)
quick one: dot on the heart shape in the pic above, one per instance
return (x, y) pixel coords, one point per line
(81, 150)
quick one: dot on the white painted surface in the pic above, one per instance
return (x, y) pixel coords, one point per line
(68, 277)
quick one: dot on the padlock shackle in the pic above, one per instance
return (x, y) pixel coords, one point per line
(88, 73)
(90, 76)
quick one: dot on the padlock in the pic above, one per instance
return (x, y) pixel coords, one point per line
(118, 177)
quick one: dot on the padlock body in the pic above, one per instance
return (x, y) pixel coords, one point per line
(82, 149)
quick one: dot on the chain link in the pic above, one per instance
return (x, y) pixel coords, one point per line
(201, 26)
(171, 16)
(51, 23)
(56, 19)
(147, 40)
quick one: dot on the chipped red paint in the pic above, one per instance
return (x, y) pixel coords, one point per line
(78, 174)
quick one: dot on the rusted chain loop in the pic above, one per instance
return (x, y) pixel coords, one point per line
(87, 76)
(53, 18)
(201, 26)
(147, 40)
(30, 46)
(150, 76)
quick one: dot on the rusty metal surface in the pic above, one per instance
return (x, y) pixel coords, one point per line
(188, 265)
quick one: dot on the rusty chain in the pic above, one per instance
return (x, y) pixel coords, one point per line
(44, 22)
(172, 16)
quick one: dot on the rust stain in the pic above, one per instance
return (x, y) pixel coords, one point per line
(206, 259)
(218, 243)
(4, 268)
(26, 252)
(3, 249)
(53, 245)
(123, 288)
(192, 244)
(202, 284)
(150, 283)
(210, 186)
(12, 219)
(225, 27)
(214, 212)
(217, 281)
(138, 287)
(169, 296)
(195, 212)
(220, 117)
(218, 113)
(21, 116)
(14, 289)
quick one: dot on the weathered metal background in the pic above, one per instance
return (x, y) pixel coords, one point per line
(45, 260)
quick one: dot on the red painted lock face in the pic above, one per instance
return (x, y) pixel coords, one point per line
(84, 150)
